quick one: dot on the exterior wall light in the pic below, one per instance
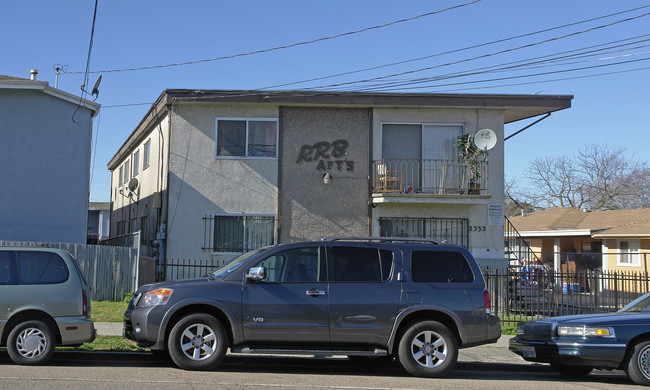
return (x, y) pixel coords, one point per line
(327, 178)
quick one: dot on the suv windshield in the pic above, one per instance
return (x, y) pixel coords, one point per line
(234, 264)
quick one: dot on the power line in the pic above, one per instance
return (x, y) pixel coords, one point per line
(481, 56)
(457, 50)
(553, 61)
(527, 75)
(289, 45)
(548, 81)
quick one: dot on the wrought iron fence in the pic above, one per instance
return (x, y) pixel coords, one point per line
(523, 295)
(178, 269)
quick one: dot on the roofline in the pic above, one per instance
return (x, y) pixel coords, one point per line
(45, 87)
(621, 235)
(554, 102)
(555, 233)
(551, 103)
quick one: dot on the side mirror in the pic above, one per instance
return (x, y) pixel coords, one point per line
(256, 274)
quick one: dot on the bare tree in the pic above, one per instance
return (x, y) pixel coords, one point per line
(596, 178)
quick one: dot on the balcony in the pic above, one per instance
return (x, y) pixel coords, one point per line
(429, 177)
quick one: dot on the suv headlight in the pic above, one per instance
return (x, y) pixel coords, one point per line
(159, 296)
(585, 331)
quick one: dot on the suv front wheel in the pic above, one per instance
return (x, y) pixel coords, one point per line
(197, 342)
(428, 349)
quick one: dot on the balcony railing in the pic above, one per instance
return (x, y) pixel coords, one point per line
(442, 177)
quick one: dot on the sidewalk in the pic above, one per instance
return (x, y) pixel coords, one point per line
(490, 353)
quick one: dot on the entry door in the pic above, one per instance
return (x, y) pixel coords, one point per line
(291, 304)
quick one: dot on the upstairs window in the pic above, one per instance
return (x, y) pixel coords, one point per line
(127, 171)
(247, 138)
(136, 163)
(147, 154)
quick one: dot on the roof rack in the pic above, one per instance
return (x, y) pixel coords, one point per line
(384, 239)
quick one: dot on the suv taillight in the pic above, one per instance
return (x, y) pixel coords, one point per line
(488, 302)
(84, 302)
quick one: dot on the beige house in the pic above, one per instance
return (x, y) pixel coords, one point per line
(571, 239)
(209, 174)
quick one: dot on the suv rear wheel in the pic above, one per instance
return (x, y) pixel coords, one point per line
(428, 349)
(197, 342)
(31, 343)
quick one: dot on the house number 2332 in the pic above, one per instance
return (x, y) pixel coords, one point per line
(477, 228)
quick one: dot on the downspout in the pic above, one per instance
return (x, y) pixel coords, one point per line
(165, 209)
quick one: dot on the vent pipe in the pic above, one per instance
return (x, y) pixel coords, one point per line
(34, 73)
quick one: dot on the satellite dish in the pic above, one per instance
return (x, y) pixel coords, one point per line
(95, 90)
(485, 139)
(133, 184)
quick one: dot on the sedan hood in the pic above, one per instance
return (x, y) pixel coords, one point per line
(603, 319)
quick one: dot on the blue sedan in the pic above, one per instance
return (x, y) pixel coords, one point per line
(574, 345)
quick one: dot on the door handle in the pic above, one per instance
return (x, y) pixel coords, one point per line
(315, 292)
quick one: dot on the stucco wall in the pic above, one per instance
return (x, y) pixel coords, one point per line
(148, 198)
(44, 167)
(202, 185)
(309, 207)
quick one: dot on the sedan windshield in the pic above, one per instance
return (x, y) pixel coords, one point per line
(234, 264)
(641, 304)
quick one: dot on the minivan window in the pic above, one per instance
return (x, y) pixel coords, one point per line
(440, 267)
(358, 264)
(8, 267)
(41, 268)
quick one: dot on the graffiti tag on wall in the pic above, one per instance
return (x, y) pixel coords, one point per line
(328, 155)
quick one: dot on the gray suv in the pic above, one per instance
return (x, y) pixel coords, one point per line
(367, 298)
(44, 302)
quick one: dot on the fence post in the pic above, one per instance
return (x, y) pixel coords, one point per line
(596, 288)
(616, 290)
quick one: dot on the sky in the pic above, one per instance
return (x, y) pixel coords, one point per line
(596, 50)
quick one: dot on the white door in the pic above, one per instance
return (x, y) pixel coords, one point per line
(439, 156)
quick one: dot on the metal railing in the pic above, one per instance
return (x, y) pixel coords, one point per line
(534, 292)
(179, 269)
(442, 177)
(516, 248)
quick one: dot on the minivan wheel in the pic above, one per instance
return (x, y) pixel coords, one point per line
(31, 343)
(428, 349)
(638, 365)
(197, 342)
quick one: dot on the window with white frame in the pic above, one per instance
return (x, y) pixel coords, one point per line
(127, 171)
(238, 233)
(136, 163)
(629, 253)
(121, 180)
(255, 138)
(147, 154)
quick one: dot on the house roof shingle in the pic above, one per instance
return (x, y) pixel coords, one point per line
(600, 224)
